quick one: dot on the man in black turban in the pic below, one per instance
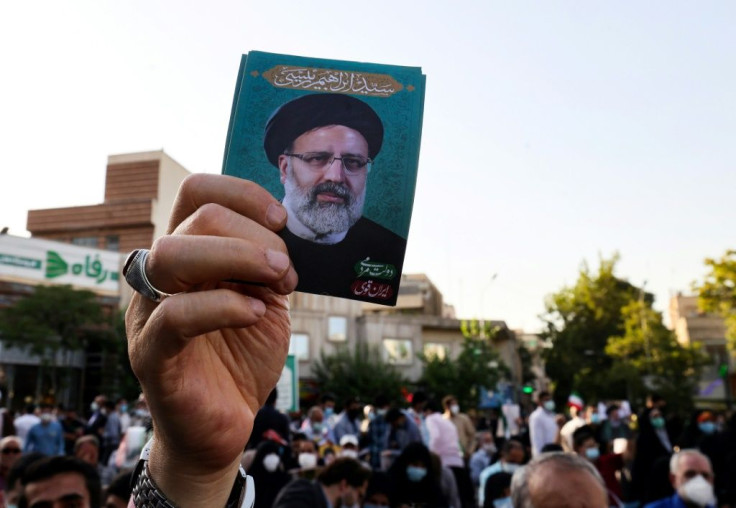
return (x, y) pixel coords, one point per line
(324, 146)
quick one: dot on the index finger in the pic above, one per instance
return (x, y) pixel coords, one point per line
(241, 196)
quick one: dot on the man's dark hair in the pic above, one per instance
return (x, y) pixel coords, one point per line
(30, 408)
(49, 467)
(381, 400)
(610, 409)
(433, 406)
(271, 400)
(109, 404)
(120, 486)
(19, 468)
(344, 468)
(495, 487)
(581, 435)
(543, 394)
(418, 397)
(552, 447)
(327, 397)
(510, 444)
(393, 415)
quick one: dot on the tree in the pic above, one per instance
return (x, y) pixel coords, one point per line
(653, 359)
(478, 365)
(717, 294)
(53, 319)
(359, 372)
(609, 343)
(579, 321)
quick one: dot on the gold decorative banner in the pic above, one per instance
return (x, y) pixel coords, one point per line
(333, 81)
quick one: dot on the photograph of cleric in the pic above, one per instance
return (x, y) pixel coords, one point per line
(325, 146)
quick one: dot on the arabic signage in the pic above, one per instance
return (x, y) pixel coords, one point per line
(333, 81)
(35, 260)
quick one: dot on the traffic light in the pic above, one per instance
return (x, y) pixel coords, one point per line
(528, 389)
(723, 370)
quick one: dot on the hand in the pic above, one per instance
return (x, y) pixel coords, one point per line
(208, 357)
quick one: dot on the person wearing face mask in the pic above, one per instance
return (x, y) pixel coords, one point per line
(691, 475)
(314, 426)
(268, 473)
(483, 457)
(498, 491)
(47, 436)
(348, 421)
(609, 465)
(415, 480)
(511, 458)
(342, 484)
(307, 459)
(543, 424)
(463, 424)
(378, 431)
(613, 427)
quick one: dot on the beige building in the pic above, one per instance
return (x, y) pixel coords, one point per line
(420, 323)
(691, 325)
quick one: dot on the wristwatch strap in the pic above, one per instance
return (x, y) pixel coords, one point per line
(146, 493)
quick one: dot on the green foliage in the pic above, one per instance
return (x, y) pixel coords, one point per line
(52, 318)
(359, 372)
(477, 365)
(717, 294)
(608, 343)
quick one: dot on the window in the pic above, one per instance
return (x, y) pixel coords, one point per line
(398, 351)
(299, 346)
(435, 350)
(113, 242)
(337, 328)
(85, 241)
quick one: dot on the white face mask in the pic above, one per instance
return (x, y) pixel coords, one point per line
(698, 491)
(549, 405)
(454, 409)
(349, 453)
(307, 460)
(271, 462)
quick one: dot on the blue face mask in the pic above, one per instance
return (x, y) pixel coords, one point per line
(595, 418)
(504, 502)
(416, 474)
(657, 422)
(592, 453)
(707, 427)
(328, 412)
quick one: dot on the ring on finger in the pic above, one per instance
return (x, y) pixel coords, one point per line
(134, 272)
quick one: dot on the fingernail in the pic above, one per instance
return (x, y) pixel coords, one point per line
(259, 308)
(275, 214)
(277, 260)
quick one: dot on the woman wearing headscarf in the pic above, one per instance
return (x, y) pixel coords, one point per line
(415, 480)
(268, 472)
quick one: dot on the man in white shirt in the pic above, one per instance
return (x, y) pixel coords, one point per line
(24, 422)
(543, 428)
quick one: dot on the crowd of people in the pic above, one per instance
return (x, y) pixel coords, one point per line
(421, 453)
(430, 453)
(95, 455)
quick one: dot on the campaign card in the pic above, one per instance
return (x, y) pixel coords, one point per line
(338, 143)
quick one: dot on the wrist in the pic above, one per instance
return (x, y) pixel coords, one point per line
(185, 484)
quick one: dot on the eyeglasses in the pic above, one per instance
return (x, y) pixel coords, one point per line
(352, 164)
(8, 451)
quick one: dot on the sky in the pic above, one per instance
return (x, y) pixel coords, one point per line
(555, 133)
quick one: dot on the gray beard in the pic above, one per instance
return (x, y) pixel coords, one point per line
(323, 218)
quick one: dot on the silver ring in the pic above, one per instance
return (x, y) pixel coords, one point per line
(134, 272)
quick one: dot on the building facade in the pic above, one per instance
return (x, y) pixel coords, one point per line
(717, 382)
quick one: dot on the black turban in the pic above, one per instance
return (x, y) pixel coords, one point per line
(308, 112)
